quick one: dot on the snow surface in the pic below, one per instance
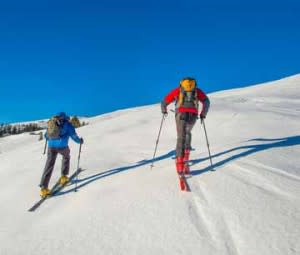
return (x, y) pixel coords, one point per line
(249, 206)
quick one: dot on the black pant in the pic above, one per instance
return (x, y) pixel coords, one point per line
(51, 158)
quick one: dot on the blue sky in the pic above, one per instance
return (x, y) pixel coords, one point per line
(90, 57)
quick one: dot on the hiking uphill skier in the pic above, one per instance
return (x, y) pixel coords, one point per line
(187, 97)
(58, 132)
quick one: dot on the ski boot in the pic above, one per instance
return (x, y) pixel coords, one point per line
(179, 165)
(63, 180)
(180, 172)
(186, 161)
(44, 192)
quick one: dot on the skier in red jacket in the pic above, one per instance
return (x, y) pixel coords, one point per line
(187, 97)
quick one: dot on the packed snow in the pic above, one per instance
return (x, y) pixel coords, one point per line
(249, 206)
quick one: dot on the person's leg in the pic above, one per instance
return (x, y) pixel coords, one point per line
(188, 131)
(51, 157)
(188, 140)
(181, 134)
(65, 166)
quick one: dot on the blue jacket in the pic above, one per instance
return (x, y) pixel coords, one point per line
(66, 130)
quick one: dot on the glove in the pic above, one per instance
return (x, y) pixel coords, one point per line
(202, 117)
(81, 140)
(164, 110)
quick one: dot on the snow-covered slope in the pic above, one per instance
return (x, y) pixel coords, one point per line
(250, 205)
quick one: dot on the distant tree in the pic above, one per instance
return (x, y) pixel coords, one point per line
(18, 129)
(8, 129)
(1, 129)
(14, 130)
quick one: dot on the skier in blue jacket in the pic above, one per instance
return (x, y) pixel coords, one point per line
(59, 145)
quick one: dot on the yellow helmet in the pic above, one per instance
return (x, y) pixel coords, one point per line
(188, 84)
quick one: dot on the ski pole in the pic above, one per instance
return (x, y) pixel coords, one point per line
(211, 164)
(157, 141)
(45, 148)
(78, 167)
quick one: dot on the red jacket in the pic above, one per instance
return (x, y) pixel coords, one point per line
(174, 95)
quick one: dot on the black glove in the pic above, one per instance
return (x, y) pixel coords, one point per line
(164, 108)
(81, 140)
(202, 117)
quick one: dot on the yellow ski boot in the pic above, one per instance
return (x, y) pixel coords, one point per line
(45, 192)
(63, 179)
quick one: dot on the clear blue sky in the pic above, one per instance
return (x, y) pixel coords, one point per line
(90, 57)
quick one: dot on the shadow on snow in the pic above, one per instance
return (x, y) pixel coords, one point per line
(86, 181)
(248, 150)
(265, 144)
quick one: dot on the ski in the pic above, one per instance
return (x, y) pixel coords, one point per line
(69, 182)
(54, 190)
(186, 168)
(184, 186)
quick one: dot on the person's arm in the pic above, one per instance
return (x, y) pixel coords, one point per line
(205, 103)
(169, 99)
(74, 135)
(46, 136)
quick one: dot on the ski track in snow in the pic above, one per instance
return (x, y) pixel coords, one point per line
(255, 180)
(204, 211)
